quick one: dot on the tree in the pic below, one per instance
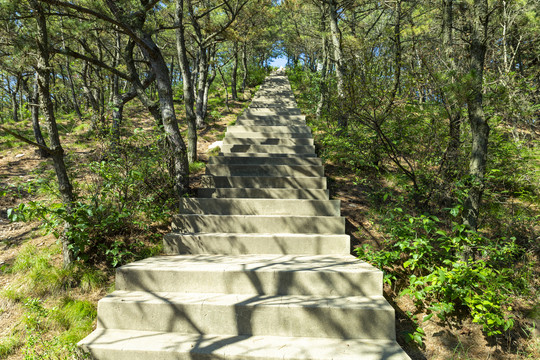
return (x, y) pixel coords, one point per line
(133, 24)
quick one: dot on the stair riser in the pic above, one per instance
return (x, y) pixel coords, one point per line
(263, 182)
(276, 130)
(249, 282)
(261, 111)
(248, 160)
(264, 170)
(259, 224)
(272, 244)
(243, 319)
(259, 207)
(271, 149)
(230, 140)
(270, 155)
(286, 118)
(265, 122)
(271, 103)
(315, 194)
(265, 133)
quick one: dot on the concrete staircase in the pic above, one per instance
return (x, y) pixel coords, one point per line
(266, 270)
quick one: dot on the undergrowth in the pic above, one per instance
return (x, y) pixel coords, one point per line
(429, 255)
(129, 192)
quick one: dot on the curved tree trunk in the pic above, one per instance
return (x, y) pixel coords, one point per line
(168, 115)
(55, 150)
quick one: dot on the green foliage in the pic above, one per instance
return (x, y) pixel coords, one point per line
(130, 192)
(37, 276)
(196, 166)
(8, 345)
(73, 317)
(429, 259)
(256, 75)
(417, 336)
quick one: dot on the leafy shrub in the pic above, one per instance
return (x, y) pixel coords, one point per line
(130, 190)
(427, 261)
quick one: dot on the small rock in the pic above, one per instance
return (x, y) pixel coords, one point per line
(19, 156)
(215, 145)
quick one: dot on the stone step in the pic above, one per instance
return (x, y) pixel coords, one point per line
(266, 134)
(335, 275)
(259, 122)
(112, 344)
(273, 100)
(258, 315)
(231, 140)
(269, 155)
(255, 193)
(239, 243)
(259, 224)
(257, 160)
(302, 207)
(257, 104)
(258, 111)
(292, 118)
(264, 170)
(275, 130)
(272, 149)
(264, 182)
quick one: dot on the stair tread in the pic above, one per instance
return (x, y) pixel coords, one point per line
(125, 342)
(249, 300)
(256, 263)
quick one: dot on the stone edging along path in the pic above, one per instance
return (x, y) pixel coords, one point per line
(259, 266)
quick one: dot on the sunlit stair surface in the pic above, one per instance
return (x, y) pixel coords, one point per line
(258, 267)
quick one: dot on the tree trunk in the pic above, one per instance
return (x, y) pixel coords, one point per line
(201, 83)
(152, 106)
(226, 90)
(168, 115)
(452, 153)
(34, 110)
(477, 119)
(234, 94)
(324, 69)
(340, 66)
(91, 99)
(71, 82)
(209, 82)
(187, 81)
(245, 67)
(15, 106)
(56, 151)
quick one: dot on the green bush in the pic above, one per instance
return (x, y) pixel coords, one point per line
(427, 261)
(130, 191)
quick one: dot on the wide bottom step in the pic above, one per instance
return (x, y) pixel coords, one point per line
(134, 345)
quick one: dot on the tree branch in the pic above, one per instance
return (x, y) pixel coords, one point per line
(28, 141)
(91, 60)
(100, 16)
